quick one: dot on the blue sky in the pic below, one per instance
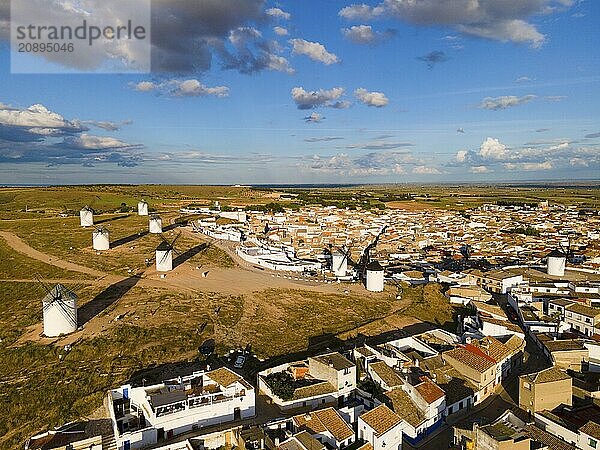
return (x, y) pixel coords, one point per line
(387, 91)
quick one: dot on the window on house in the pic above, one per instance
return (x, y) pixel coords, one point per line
(450, 410)
(592, 442)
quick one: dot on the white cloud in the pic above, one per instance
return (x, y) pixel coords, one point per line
(182, 88)
(362, 12)
(314, 51)
(555, 98)
(91, 142)
(461, 155)
(554, 154)
(493, 149)
(193, 88)
(278, 13)
(505, 101)
(145, 86)
(424, 170)
(313, 99)
(480, 169)
(34, 123)
(314, 117)
(523, 79)
(365, 35)
(377, 99)
(516, 30)
(372, 164)
(280, 31)
(546, 165)
(501, 21)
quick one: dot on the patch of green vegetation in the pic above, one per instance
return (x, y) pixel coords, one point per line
(131, 244)
(282, 384)
(69, 385)
(14, 265)
(293, 320)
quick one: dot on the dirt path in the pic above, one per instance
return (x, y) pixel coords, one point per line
(22, 247)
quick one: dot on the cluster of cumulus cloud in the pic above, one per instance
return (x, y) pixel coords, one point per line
(534, 156)
(38, 135)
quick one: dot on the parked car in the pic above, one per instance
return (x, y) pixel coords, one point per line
(239, 362)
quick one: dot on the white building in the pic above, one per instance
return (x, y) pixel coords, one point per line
(240, 215)
(327, 380)
(382, 428)
(143, 416)
(327, 426)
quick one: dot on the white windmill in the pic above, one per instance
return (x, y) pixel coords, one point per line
(164, 254)
(86, 216)
(155, 224)
(59, 310)
(142, 208)
(101, 238)
(339, 261)
(374, 277)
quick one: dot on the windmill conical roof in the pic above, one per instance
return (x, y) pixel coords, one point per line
(556, 254)
(59, 291)
(374, 266)
(164, 246)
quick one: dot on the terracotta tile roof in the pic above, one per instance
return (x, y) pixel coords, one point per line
(364, 351)
(476, 361)
(504, 323)
(584, 310)
(386, 373)
(489, 308)
(591, 429)
(338, 361)
(305, 440)
(551, 441)
(564, 345)
(404, 407)
(325, 420)
(313, 390)
(430, 391)
(223, 376)
(381, 419)
(493, 348)
(515, 343)
(366, 446)
(547, 376)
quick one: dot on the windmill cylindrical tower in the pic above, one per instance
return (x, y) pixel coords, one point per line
(155, 225)
(59, 311)
(86, 217)
(556, 263)
(101, 239)
(164, 257)
(374, 282)
(142, 208)
(339, 263)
